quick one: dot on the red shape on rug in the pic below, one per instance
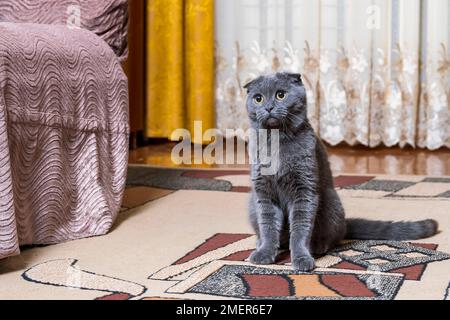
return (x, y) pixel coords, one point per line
(267, 285)
(347, 285)
(348, 265)
(412, 272)
(116, 296)
(429, 246)
(216, 241)
(344, 181)
(240, 189)
(283, 257)
(238, 256)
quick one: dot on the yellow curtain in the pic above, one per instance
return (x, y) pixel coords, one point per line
(180, 66)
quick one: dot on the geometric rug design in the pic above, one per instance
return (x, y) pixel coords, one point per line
(184, 234)
(406, 258)
(373, 270)
(382, 186)
(65, 272)
(254, 282)
(355, 270)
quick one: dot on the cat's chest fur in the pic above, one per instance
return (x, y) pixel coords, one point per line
(295, 166)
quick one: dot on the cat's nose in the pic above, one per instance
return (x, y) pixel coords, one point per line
(269, 108)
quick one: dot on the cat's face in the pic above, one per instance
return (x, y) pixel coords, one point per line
(276, 101)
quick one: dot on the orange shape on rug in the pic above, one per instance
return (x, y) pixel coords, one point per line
(309, 285)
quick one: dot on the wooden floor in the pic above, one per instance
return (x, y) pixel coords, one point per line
(343, 159)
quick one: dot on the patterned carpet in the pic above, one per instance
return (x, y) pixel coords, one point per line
(183, 234)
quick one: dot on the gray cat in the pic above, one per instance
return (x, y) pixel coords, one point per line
(297, 207)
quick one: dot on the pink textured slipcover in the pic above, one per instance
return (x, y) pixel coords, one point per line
(63, 134)
(106, 18)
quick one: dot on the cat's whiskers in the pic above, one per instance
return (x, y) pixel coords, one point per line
(293, 115)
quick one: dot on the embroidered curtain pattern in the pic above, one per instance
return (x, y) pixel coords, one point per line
(376, 71)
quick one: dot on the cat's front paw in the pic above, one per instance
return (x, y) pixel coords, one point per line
(262, 257)
(303, 263)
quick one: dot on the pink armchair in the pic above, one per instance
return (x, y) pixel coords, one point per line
(63, 119)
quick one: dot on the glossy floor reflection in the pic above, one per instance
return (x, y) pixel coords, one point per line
(358, 160)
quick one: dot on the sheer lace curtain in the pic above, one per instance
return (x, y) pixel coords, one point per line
(376, 71)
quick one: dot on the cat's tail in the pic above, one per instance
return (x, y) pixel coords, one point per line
(387, 230)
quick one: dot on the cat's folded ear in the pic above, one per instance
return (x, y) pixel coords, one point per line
(249, 84)
(296, 76)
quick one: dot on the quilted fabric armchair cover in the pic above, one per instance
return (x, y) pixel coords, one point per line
(106, 18)
(63, 122)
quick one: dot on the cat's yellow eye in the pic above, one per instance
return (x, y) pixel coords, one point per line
(280, 95)
(258, 98)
